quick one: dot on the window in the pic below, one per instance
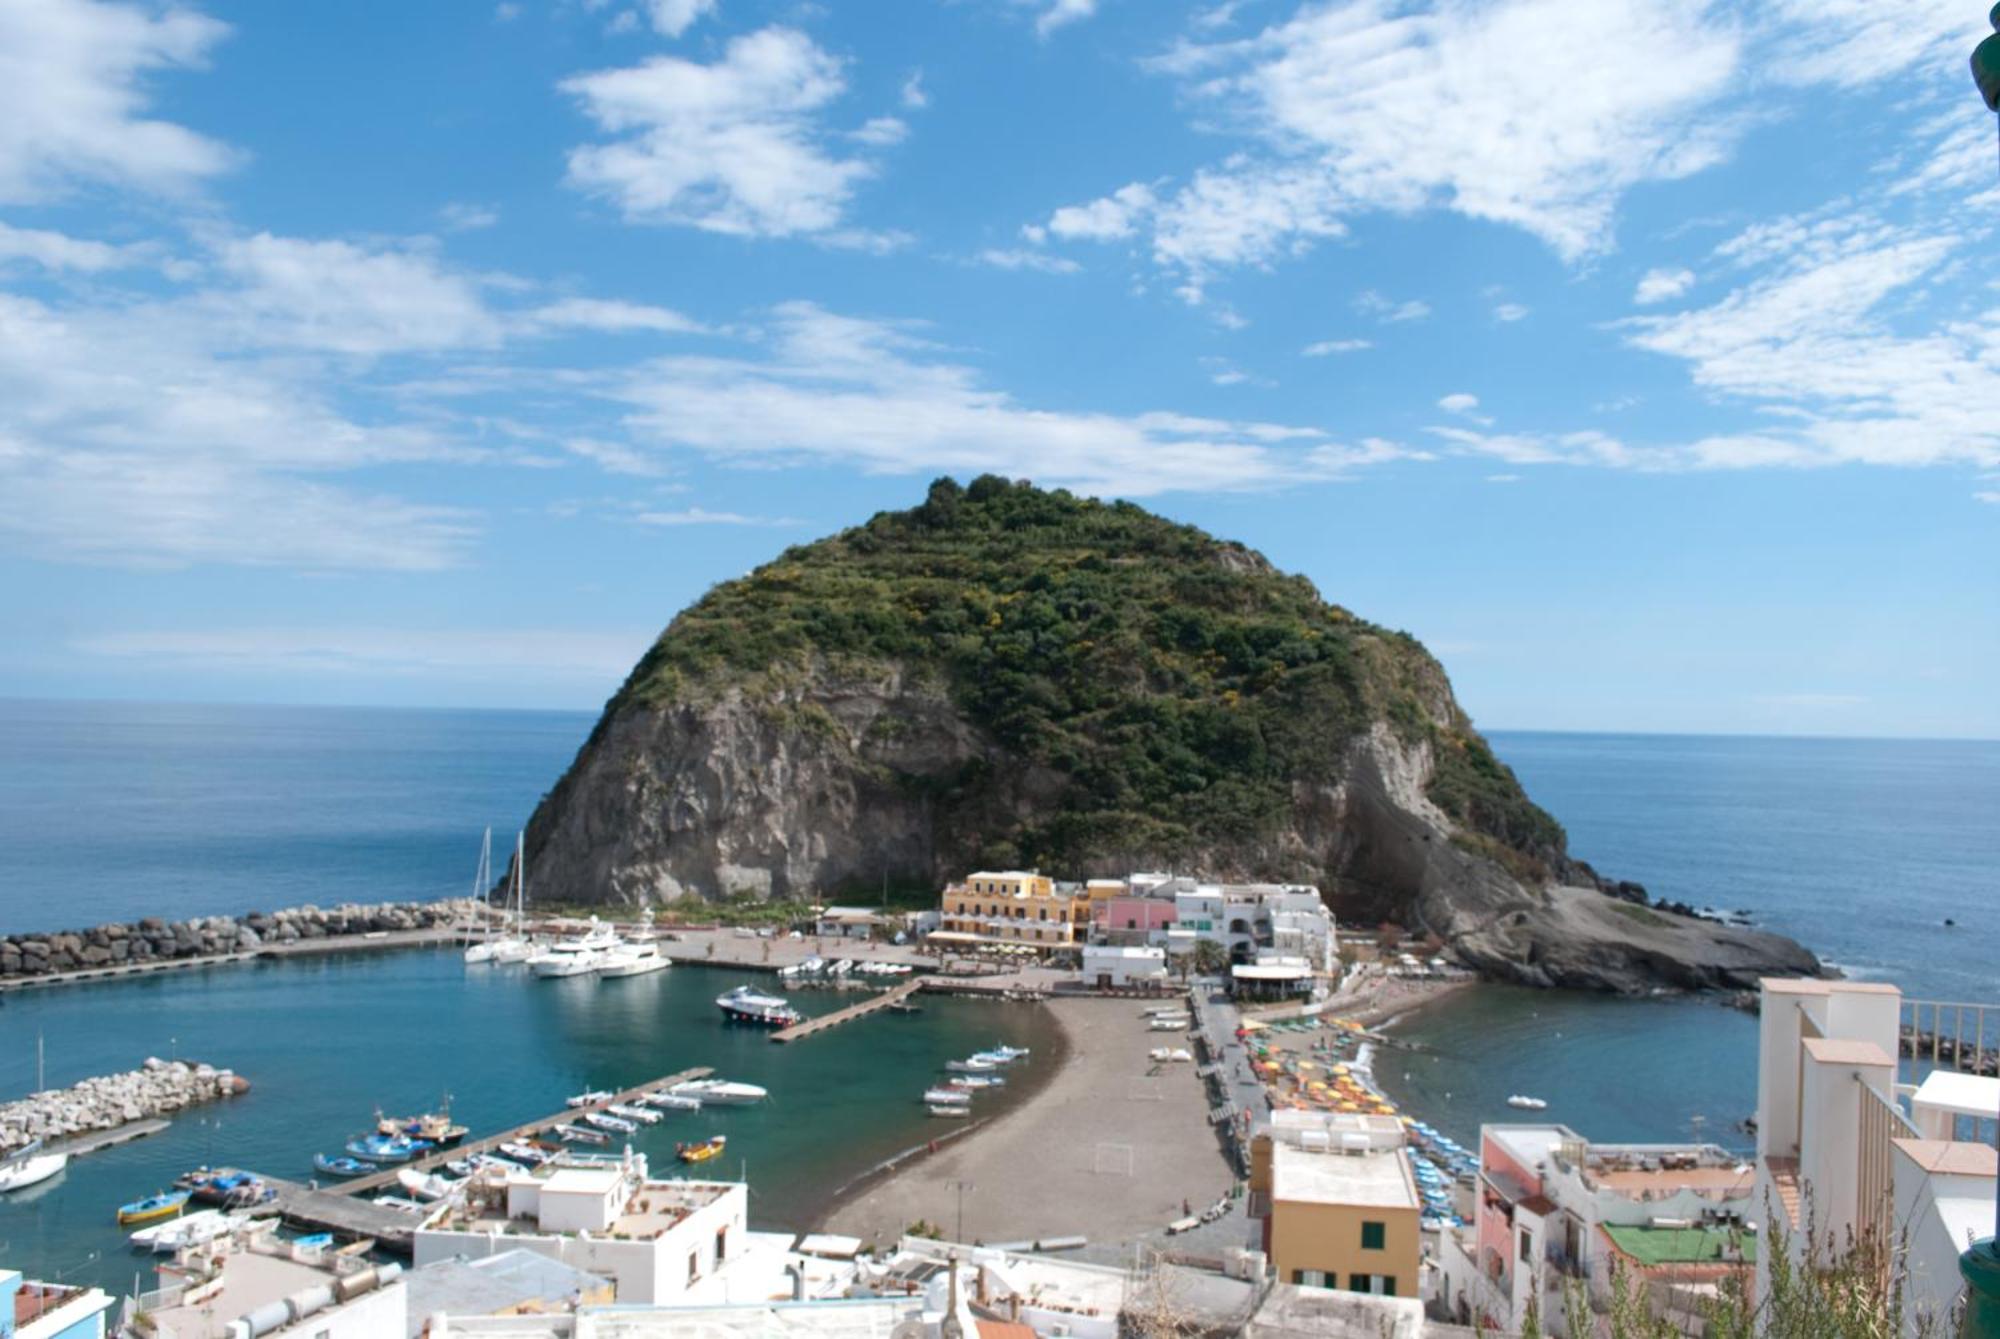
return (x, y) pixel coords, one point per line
(1312, 1278)
(1374, 1236)
(694, 1266)
(1527, 1246)
(1357, 1283)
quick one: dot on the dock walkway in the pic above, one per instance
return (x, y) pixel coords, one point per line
(326, 1209)
(383, 1180)
(873, 1004)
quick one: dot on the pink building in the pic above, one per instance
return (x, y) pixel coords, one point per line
(1132, 919)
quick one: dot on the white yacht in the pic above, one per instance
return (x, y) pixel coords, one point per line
(628, 958)
(579, 956)
(746, 1004)
(720, 1092)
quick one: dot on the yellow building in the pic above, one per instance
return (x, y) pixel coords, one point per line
(1340, 1220)
(1014, 907)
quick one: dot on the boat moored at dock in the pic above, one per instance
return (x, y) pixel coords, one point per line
(746, 1004)
(719, 1092)
(152, 1208)
(342, 1167)
(381, 1148)
(30, 1167)
(627, 958)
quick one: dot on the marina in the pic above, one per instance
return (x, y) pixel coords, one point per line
(888, 999)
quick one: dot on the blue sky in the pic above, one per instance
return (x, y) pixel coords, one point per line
(1641, 356)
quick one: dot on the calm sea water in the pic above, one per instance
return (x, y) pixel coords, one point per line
(112, 811)
(1861, 849)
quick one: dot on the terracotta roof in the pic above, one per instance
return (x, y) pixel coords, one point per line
(1950, 1158)
(1839, 1051)
(1541, 1206)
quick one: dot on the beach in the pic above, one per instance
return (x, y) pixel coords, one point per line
(1115, 1146)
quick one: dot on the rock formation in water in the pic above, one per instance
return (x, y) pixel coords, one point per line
(1006, 676)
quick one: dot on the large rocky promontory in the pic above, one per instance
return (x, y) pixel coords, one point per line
(1009, 676)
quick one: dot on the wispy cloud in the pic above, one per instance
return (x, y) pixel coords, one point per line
(702, 516)
(1662, 286)
(1325, 347)
(399, 652)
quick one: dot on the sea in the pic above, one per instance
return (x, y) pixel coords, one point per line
(111, 811)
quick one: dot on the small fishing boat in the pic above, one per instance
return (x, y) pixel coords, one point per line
(589, 1099)
(488, 1162)
(342, 1166)
(947, 1097)
(381, 1148)
(188, 1230)
(526, 1154)
(30, 1167)
(153, 1208)
(577, 1134)
(605, 1121)
(974, 1065)
(721, 1092)
(703, 1151)
(643, 1115)
(424, 1186)
(433, 1127)
(1528, 1103)
(940, 1109)
(975, 1082)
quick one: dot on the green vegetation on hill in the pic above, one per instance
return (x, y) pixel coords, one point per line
(1177, 681)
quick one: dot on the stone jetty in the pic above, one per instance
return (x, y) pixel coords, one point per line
(158, 1088)
(153, 940)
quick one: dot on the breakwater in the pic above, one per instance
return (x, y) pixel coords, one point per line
(152, 940)
(157, 1088)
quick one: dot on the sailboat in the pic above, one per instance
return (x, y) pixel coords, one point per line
(514, 946)
(482, 884)
(28, 1165)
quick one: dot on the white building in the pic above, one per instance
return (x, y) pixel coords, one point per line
(849, 923)
(1253, 921)
(1117, 968)
(254, 1284)
(658, 1241)
(1841, 1141)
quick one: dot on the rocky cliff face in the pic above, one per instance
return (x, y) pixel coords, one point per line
(869, 708)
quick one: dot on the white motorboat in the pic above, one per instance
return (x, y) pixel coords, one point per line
(30, 1168)
(588, 1099)
(577, 956)
(189, 1230)
(643, 1115)
(424, 1186)
(947, 1097)
(973, 1065)
(746, 1004)
(672, 1101)
(720, 1092)
(631, 959)
(939, 1109)
(1528, 1103)
(527, 1154)
(616, 1124)
(577, 1134)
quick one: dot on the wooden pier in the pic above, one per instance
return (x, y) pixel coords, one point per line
(118, 1134)
(431, 1162)
(826, 1022)
(330, 1210)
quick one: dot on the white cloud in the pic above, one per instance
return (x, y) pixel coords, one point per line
(671, 18)
(875, 396)
(58, 251)
(462, 217)
(1322, 348)
(504, 652)
(1022, 258)
(732, 147)
(1062, 13)
(1459, 402)
(73, 105)
(1856, 42)
(913, 96)
(335, 297)
(1992, 496)
(1388, 311)
(1509, 312)
(699, 516)
(1662, 285)
(610, 316)
(882, 131)
(1104, 220)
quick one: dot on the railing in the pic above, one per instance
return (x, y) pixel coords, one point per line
(1875, 1191)
(1940, 1035)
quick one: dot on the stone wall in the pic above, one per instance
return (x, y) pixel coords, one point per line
(159, 1088)
(156, 940)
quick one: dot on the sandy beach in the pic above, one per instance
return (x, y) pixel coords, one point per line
(1112, 1148)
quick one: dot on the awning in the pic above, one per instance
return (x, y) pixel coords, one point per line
(1250, 971)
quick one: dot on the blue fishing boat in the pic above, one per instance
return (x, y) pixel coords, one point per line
(381, 1148)
(342, 1167)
